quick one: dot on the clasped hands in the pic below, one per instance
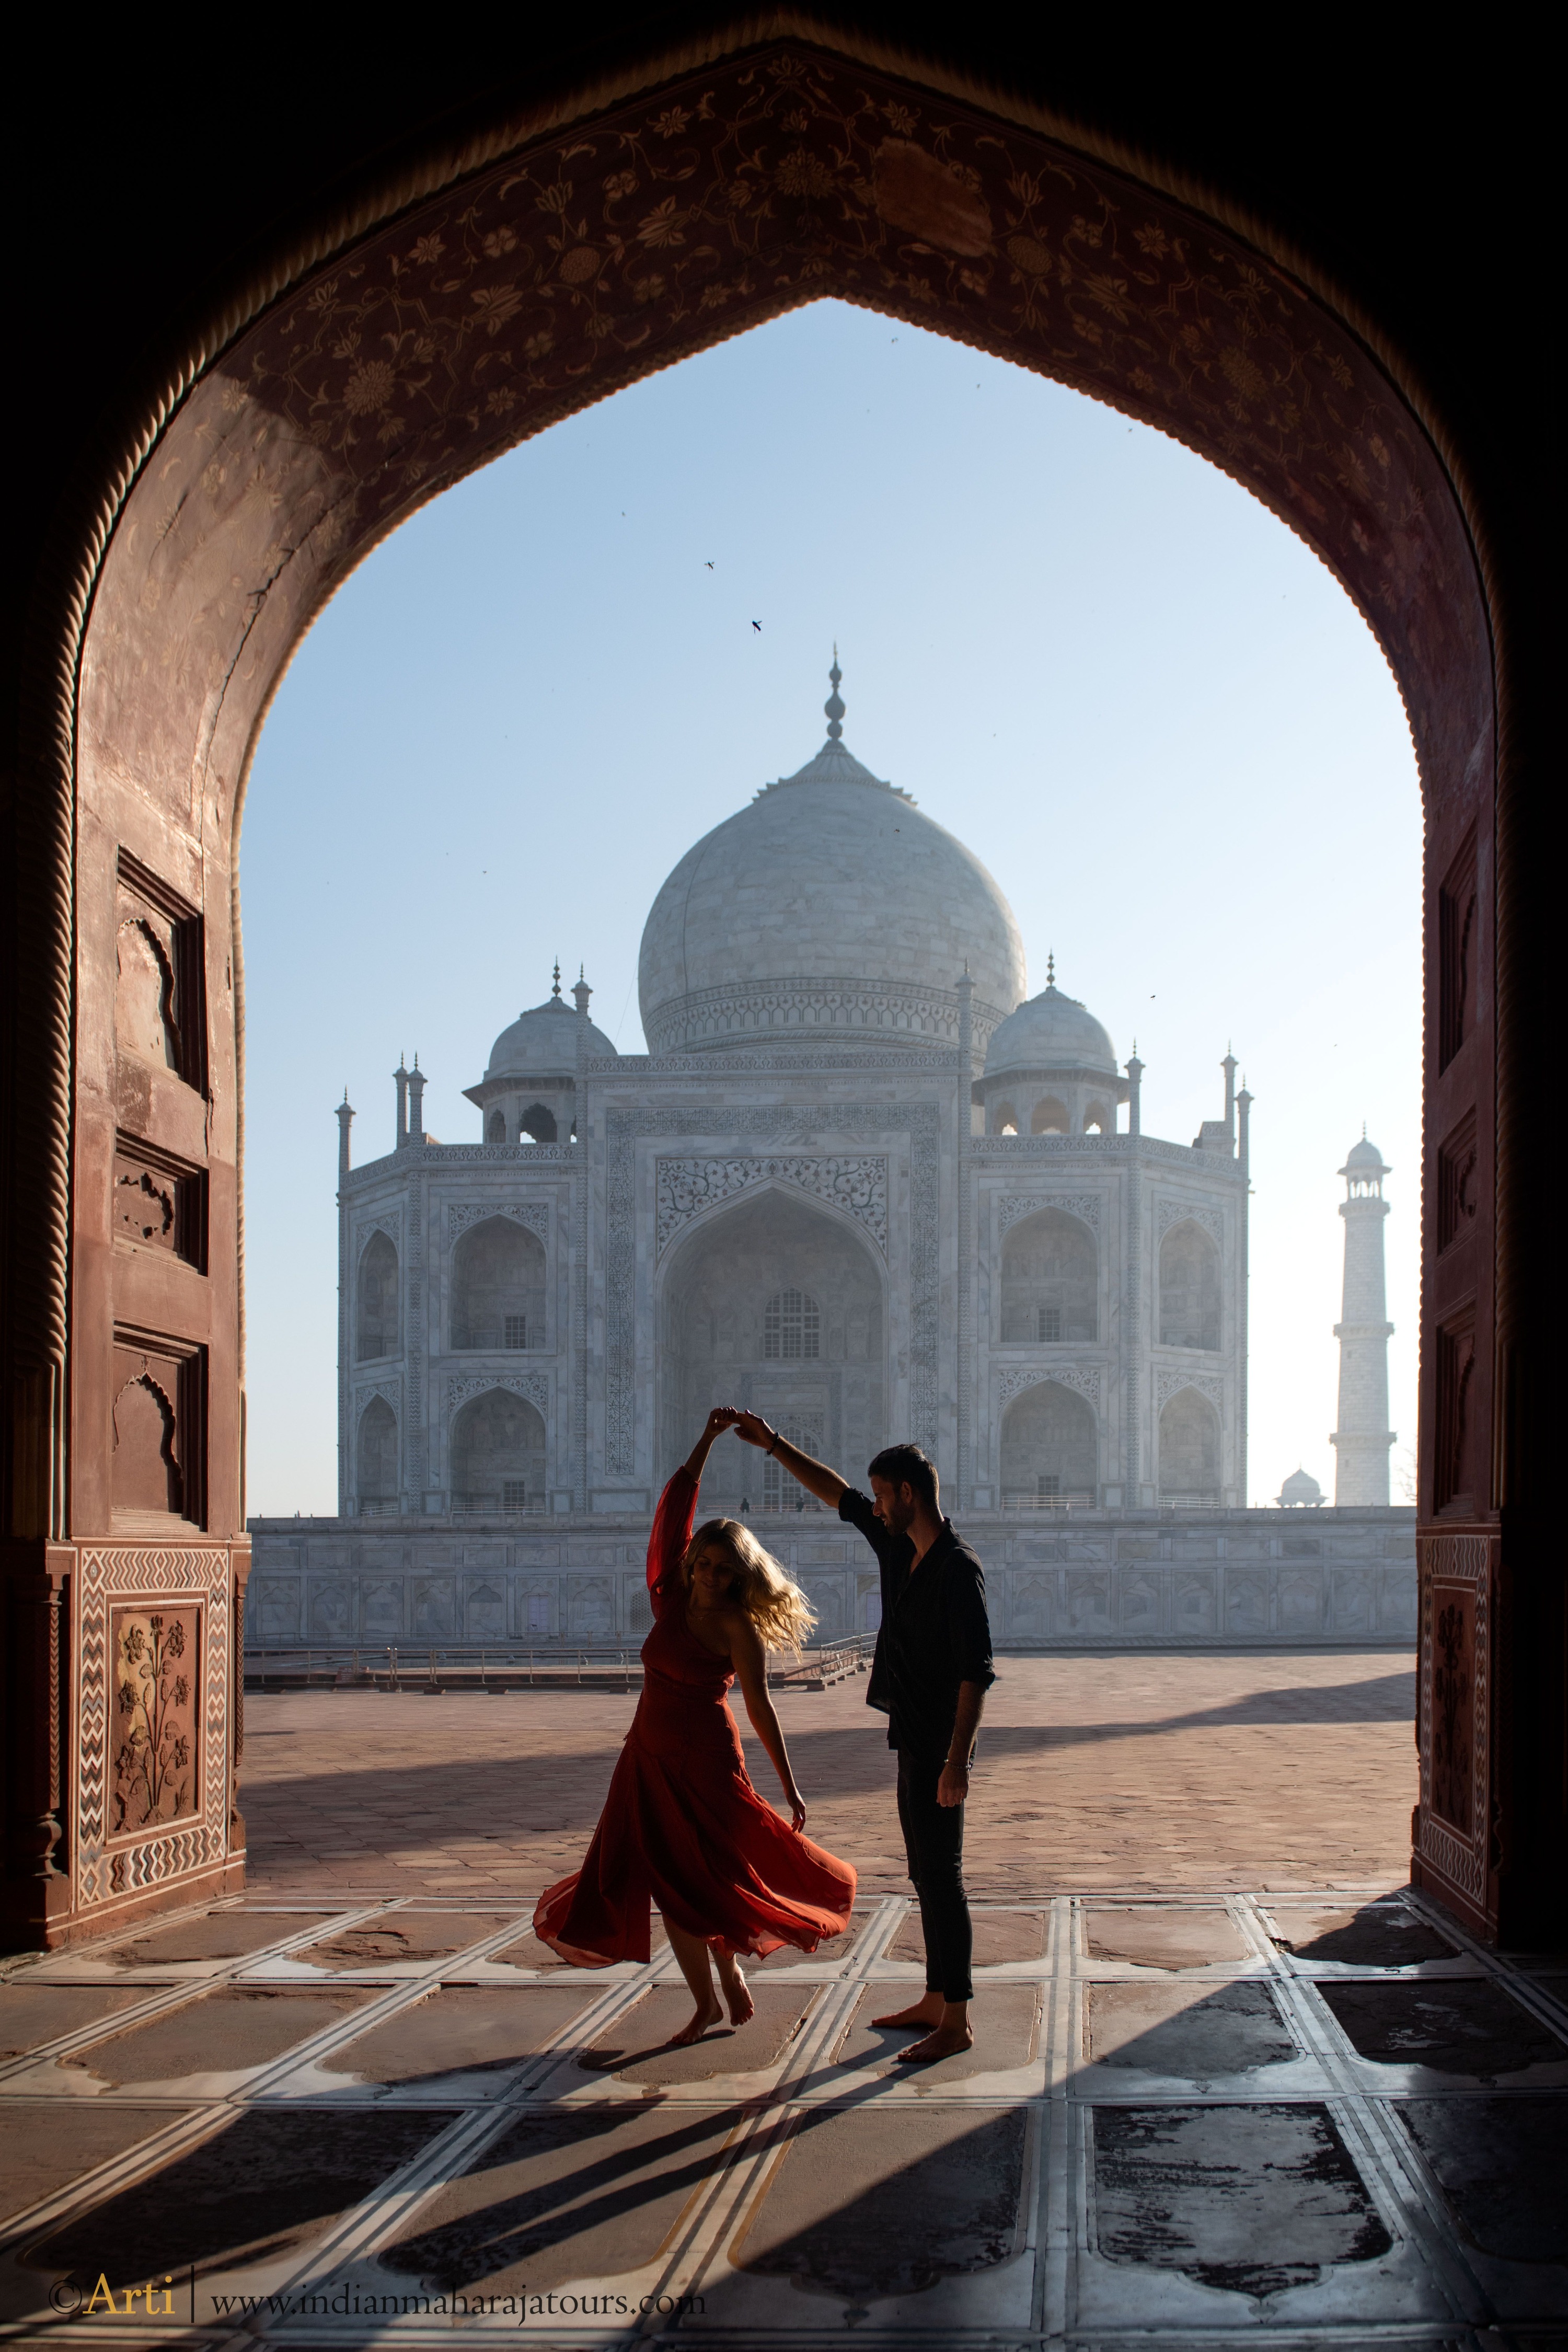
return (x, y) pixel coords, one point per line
(749, 1426)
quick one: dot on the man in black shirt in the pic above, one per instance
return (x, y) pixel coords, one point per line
(930, 1677)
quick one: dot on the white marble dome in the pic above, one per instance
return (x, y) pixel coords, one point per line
(1051, 1032)
(831, 904)
(542, 1043)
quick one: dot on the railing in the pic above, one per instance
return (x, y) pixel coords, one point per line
(492, 1507)
(504, 1666)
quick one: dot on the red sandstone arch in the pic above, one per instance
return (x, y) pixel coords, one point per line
(490, 292)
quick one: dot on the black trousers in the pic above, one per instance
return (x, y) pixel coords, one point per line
(933, 1843)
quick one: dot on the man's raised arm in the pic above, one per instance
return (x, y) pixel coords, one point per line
(814, 1477)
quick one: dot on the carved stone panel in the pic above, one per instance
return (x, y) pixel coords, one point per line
(485, 1612)
(1033, 1606)
(1246, 1606)
(276, 1607)
(434, 1608)
(1454, 1708)
(534, 1215)
(160, 1202)
(1010, 1206)
(1140, 1605)
(381, 1603)
(1196, 1612)
(155, 1766)
(591, 1608)
(331, 1611)
(857, 1185)
(1089, 1602)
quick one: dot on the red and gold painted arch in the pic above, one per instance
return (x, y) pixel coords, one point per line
(489, 294)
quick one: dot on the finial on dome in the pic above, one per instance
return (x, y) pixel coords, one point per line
(1050, 970)
(555, 990)
(833, 706)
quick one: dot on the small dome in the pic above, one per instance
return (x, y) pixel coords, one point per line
(1051, 1032)
(542, 1044)
(1364, 1155)
(1298, 1488)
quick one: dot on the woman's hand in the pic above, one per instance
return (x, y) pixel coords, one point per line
(796, 1804)
(722, 1417)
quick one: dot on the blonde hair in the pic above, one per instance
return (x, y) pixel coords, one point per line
(769, 1595)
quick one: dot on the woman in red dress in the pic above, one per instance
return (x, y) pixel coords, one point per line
(682, 1826)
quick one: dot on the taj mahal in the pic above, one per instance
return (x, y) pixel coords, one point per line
(862, 1182)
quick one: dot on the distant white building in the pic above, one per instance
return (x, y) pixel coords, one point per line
(862, 1183)
(1363, 1438)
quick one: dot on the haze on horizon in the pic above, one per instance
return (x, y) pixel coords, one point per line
(1133, 692)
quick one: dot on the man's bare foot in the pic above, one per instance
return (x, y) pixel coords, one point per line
(946, 2041)
(737, 1993)
(927, 2011)
(701, 2018)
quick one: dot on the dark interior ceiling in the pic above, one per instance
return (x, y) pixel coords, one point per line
(147, 180)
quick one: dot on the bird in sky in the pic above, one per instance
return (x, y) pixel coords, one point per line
(710, 567)
(758, 627)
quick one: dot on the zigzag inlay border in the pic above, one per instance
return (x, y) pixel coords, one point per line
(114, 1574)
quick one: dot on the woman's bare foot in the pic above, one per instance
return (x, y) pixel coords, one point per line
(927, 2011)
(697, 2025)
(737, 1992)
(943, 2042)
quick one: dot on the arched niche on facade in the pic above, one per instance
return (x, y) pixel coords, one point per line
(498, 1454)
(147, 1474)
(1050, 1279)
(1100, 1118)
(376, 1300)
(537, 1124)
(1050, 1447)
(495, 1128)
(376, 1470)
(1049, 1117)
(1189, 1288)
(775, 1303)
(1003, 1118)
(498, 1287)
(1189, 1449)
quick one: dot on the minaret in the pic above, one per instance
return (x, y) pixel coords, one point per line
(1364, 1437)
(416, 1103)
(400, 1077)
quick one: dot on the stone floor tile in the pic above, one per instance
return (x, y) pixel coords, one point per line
(460, 2030)
(1200, 2033)
(567, 2193)
(1456, 2025)
(1005, 2019)
(637, 2050)
(1160, 1935)
(268, 2182)
(32, 2013)
(872, 2203)
(224, 2033)
(42, 2148)
(1252, 2199)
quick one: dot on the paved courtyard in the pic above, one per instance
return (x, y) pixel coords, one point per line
(1152, 1773)
(1229, 2078)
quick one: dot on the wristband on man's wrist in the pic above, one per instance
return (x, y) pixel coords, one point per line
(775, 1440)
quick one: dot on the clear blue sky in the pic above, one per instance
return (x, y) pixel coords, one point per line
(1137, 696)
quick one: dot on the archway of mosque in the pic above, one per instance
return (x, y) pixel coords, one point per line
(483, 297)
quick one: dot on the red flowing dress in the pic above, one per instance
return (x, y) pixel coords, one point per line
(682, 1826)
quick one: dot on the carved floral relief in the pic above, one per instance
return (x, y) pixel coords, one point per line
(155, 1701)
